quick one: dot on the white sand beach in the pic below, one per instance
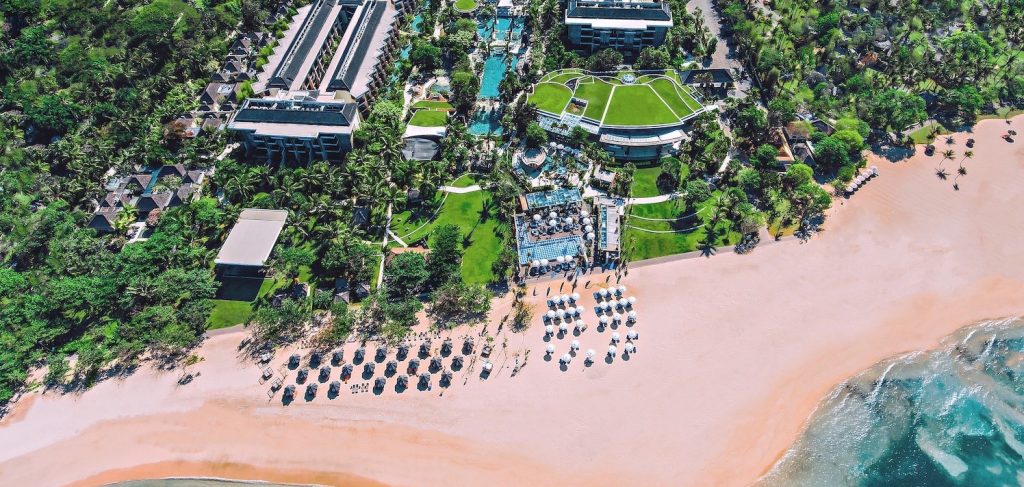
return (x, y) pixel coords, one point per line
(734, 353)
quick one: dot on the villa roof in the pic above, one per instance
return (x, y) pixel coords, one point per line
(252, 238)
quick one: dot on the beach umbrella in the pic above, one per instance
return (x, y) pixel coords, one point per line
(632, 335)
(622, 290)
(606, 306)
(590, 353)
(603, 319)
(536, 217)
(553, 214)
(615, 337)
(588, 228)
(535, 263)
(556, 299)
(561, 260)
(580, 325)
(543, 262)
(551, 349)
(553, 144)
(575, 345)
(487, 366)
(632, 316)
(632, 300)
(561, 314)
(575, 296)
(549, 330)
(563, 327)
(561, 146)
(566, 358)
(568, 220)
(603, 292)
(616, 317)
(570, 311)
(584, 213)
(612, 350)
(552, 222)
(630, 348)
(590, 236)
(551, 314)
(586, 220)
(565, 297)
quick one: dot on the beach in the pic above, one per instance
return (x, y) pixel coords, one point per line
(735, 353)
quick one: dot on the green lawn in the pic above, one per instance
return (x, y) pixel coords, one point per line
(429, 118)
(684, 238)
(637, 105)
(231, 312)
(550, 97)
(465, 5)
(467, 211)
(923, 134)
(645, 182)
(465, 181)
(596, 93)
(668, 92)
(433, 104)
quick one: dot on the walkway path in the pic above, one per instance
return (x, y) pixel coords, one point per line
(463, 190)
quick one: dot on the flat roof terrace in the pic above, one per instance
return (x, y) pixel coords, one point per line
(252, 238)
(544, 199)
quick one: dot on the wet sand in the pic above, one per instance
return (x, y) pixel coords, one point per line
(734, 354)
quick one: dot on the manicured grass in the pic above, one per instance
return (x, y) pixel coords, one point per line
(472, 213)
(550, 97)
(683, 238)
(671, 96)
(563, 78)
(465, 5)
(596, 93)
(228, 313)
(645, 182)
(923, 134)
(231, 312)
(429, 118)
(637, 105)
(465, 181)
(559, 73)
(433, 104)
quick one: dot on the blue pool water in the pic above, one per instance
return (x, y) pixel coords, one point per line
(484, 123)
(494, 71)
(947, 417)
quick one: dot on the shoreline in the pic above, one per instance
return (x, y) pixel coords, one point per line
(735, 355)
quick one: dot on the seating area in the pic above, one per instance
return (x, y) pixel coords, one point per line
(613, 309)
(367, 370)
(861, 179)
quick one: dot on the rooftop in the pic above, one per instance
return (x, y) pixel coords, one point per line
(554, 197)
(618, 14)
(252, 238)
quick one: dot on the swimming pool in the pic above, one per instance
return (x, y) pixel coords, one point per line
(486, 122)
(494, 71)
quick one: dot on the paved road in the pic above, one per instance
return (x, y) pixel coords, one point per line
(724, 57)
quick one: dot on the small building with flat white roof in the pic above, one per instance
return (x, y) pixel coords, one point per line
(250, 242)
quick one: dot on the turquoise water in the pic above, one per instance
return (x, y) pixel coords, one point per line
(494, 71)
(484, 123)
(953, 416)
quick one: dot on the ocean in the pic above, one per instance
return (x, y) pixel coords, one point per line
(952, 416)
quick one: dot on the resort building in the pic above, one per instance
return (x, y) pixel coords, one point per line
(627, 26)
(246, 250)
(551, 230)
(605, 107)
(148, 193)
(320, 81)
(608, 230)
